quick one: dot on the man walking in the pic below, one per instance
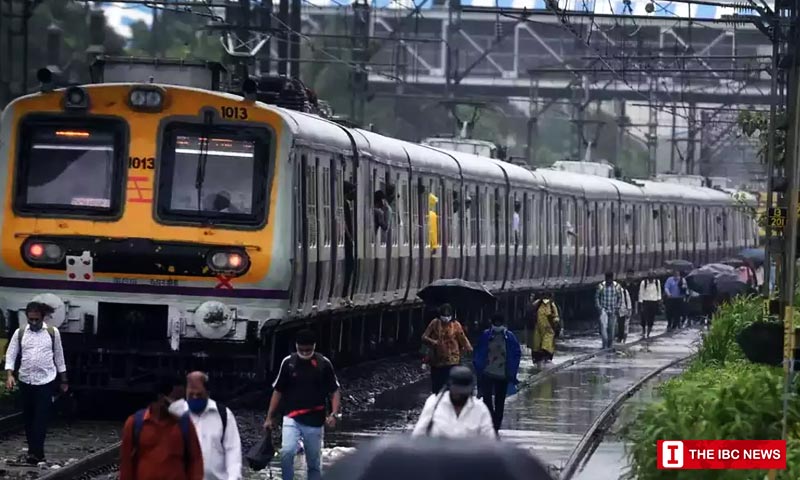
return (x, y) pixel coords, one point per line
(305, 382)
(216, 428)
(673, 302)
(608, 301)
(160, 443)
(38, 348)
(496, 361)
(454, 412)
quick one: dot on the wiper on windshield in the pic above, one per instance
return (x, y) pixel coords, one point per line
(200, 176)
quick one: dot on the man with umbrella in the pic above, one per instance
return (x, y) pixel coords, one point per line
(447, 342)
(674, 290)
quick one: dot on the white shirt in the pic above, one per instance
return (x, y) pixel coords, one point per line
(219, 463)
(474, 420)
(39, 364)
(650, 292)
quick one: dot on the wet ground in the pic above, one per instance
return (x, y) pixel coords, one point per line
(609, 461)
(547, 419)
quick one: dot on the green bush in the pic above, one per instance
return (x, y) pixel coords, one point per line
(740, 401)
(719, 343)
(720, 396)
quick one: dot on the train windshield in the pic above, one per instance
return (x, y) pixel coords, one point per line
(70, 169)
(213, 177)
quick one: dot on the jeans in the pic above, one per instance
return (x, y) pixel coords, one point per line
(312, 444)
(37, 402)
(608, 335)
(439, 376)
(493, 392)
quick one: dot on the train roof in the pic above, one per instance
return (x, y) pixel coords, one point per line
(595, 188)
(473, 167)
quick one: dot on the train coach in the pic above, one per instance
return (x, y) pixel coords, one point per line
(173, 227)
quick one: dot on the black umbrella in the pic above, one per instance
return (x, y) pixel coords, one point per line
(677, 264)
(754, 256)
(425, 458)
(728, 284)
(762, 342)
(457, 292)
(701, 281)
(733, 262)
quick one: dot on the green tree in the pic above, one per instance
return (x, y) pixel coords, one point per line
(755, 125)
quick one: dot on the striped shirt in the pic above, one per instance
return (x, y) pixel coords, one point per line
(609, 297)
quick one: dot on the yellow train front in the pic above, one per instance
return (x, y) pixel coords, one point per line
(150, 217)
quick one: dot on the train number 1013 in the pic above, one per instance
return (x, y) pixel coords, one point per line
(143, 163)
(234, 113)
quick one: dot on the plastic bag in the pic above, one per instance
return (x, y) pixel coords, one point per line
(260, 454)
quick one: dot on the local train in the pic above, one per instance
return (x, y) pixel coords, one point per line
(173, 227)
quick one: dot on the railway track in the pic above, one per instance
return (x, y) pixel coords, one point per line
(104, 462)
(596, 432)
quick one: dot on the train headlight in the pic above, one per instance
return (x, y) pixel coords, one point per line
(230, 261)
(42, 252)
(146, 99)
(76, 98)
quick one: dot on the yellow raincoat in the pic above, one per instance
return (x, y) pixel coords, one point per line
(433, 222)
(544, 335)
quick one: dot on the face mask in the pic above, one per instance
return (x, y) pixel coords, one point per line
(445, 318)
(498, 328)
(35, 326)
(308, 356)
(176, 408)
(197, 405)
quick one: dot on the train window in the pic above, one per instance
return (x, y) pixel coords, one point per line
(491, 208)
(416, 227)
(402, 211)
(474, 225)
(72, 167)
(311, 204)
(326, 206)
(433, 216)
(215, 175)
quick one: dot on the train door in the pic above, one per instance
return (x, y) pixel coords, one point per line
(431, 230)
(379, 232)
(392, 244)
(628, 243)
(581, 248)
(657, 229)
(553, 244)
(453, 213)
(324, 163)
(484, 253)
(591, 238)
(339, 230)
(403, 234)
(472, 229)
(537, 225)
(530, 254)
(311, 226)
(299, 236)
(569, 239)
(636, 237)
(503, 221)
(417, 194)
(439, 255)
(365, 243)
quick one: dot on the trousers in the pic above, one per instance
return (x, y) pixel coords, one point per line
(493, 392)
(37, 402)
(608, 333)
(312, 445)
(439, 376)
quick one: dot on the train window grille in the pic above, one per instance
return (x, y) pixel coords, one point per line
(415, 219)
(311, 204)
(73, 167)
(326, 206)
(214, 175)
(402, 209)
(474, 229)
(340, 227)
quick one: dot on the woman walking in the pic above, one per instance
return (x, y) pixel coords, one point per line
(649, 299)
(447, 342)
(546, 326)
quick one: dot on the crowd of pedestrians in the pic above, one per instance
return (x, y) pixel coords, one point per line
(185, 434)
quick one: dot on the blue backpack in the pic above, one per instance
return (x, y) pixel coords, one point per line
(183, 423)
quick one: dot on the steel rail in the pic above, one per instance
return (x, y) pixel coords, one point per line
(539, 377)
(11, 423)
(591, 439)
(103, 460)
